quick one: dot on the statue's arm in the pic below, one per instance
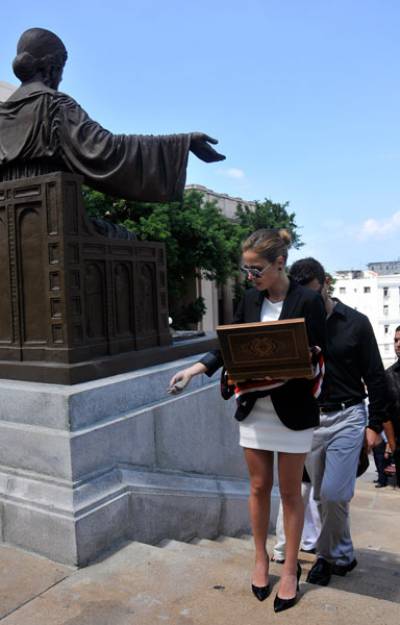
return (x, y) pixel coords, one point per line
(142, 167)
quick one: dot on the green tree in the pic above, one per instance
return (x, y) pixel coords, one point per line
(199, 239)
(267, 214)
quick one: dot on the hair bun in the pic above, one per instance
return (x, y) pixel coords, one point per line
(24, 66)
(285, 236)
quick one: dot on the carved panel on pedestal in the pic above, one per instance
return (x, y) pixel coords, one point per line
(56, 308)
(75, 280)
(57, 334)
(73, 253)
(52, 208)
(123, 299)
(71, 213)
(146, 304)
(54, 281)
(94, 290)
(32, 283)
(25, 192)
(5, 291)
(54, 253)
(76, 308)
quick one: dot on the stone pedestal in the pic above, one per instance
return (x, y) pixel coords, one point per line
(84, 466)
(76, 305)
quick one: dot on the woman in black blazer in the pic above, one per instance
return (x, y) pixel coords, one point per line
(283, 419)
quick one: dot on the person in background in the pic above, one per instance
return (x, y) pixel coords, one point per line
(352, 364)
(312, 523)
(380, 459)
(393, 378)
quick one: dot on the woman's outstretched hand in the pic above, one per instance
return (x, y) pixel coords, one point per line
(181, 379)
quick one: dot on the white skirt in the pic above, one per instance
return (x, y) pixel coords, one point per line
(263, 429)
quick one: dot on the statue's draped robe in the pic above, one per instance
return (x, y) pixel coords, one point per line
(42, 131)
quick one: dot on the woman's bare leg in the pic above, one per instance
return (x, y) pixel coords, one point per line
(290, 468)
(261, 468)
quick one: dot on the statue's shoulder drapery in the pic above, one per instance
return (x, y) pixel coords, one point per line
(43, 130)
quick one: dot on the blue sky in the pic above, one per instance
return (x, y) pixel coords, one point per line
(304, 96)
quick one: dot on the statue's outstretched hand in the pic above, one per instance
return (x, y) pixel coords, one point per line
(200, 146)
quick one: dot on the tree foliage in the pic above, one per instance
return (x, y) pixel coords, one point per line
(267, 214)
(199, 239)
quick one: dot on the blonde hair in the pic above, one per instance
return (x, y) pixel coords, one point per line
(269, 243)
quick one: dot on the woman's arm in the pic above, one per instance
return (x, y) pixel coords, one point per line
(208, 364)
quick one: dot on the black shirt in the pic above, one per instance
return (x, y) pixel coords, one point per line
(393, 378)
(352, 362)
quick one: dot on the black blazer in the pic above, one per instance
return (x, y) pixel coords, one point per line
(293, 402)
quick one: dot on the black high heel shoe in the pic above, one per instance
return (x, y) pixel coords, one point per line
(261, 592)
(285, 604)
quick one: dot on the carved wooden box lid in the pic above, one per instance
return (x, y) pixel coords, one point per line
(275, 349)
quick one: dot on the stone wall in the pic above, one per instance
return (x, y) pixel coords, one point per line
(85, 466)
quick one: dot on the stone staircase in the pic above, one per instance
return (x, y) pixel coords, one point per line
(208, 582)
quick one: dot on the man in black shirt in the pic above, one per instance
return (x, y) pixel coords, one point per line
(393, 378)
(352, 362)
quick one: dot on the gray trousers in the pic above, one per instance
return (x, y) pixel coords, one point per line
(332, 466)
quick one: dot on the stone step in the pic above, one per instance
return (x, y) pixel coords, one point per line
(225, 542)
(142, 585)
(383, 584)
(385, 565)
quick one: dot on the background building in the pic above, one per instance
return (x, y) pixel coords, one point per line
(6, 90)
(385, 268)
(377, 295)
(218, 299)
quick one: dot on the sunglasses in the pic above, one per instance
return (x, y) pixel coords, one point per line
(253, 271)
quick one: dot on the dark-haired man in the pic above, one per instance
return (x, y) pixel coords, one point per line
(352, 363)
(393, 378)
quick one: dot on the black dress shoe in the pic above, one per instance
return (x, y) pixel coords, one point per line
(284, 604)
(380, 485)
(261, 592)
(320, 573)
(343, 569)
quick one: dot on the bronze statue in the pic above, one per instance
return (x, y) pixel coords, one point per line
(80, 298)
(43, 130)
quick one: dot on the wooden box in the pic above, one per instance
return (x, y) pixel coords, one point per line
(274, 349)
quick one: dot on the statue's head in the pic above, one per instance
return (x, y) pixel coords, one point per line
(41, 55)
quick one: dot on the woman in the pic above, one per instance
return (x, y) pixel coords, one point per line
(284, 420)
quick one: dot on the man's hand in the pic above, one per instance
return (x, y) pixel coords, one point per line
(372, 439)
(200, 146)
(390, 435)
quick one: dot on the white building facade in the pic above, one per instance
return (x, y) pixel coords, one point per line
(378, 297)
